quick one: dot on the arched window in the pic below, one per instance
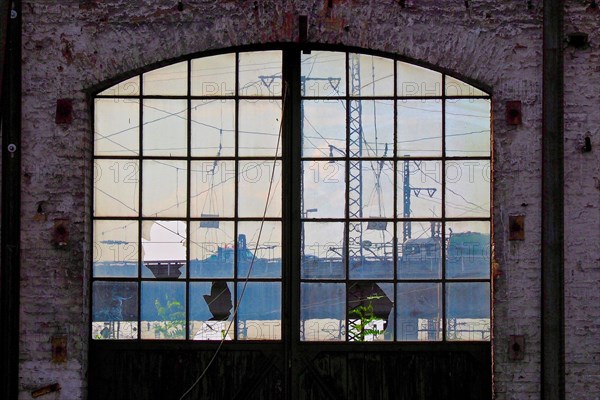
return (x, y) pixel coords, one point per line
(309, 195)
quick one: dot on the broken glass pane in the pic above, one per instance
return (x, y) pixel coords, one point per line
(211, 309)
(370, 316)
(164, 249)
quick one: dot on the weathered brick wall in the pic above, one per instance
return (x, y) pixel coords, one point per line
(582, 205)
(72, 45)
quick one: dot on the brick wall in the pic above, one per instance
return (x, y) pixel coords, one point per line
(72, 45)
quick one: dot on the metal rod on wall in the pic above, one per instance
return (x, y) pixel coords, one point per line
(552, 357)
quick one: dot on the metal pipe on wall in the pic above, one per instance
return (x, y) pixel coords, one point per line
(552, 357)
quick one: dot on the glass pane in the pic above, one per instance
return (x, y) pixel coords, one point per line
(163, 249)
(214, 76)
(323, 128)
(165, 188)
(213, 128)
(419, 128)
(211, 249)
(259, 249)
(259, 128)
(419, 315)
(324, 188)
(468, 188)
(377, 127)
(169, 80)
(323, 250)
(420, 189)
(116, 184)
(260, 73)
(370, 316)
(212, 189)
(129, 87)
(454, 87)
(377, 189)
(323, 73)
(322, 316)
(468, 128)
(165, 128)
(419, 250)
(468, 311)
(259, 314)
(468, 249)
(115, 248)
(116, 127)
(417, 81)
(211, 309)
(163, 310)
(375, 75)
(253, 191)
(371, 250)
(114, 310)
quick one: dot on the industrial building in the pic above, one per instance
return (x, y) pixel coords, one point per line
(321, 199)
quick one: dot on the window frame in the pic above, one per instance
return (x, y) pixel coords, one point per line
(291, 220)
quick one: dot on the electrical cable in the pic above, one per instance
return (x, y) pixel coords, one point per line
(247, 278)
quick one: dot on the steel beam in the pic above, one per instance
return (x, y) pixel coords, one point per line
(552, 357)
(4, 15)
(10, 125)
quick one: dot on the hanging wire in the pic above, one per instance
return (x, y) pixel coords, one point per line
(247, 278)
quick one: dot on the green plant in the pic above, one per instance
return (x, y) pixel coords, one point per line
(361, 321)
(172, 315)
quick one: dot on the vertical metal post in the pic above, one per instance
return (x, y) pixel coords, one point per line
(4, 15)
(552, 357)
(10, 126)
(292, 176)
